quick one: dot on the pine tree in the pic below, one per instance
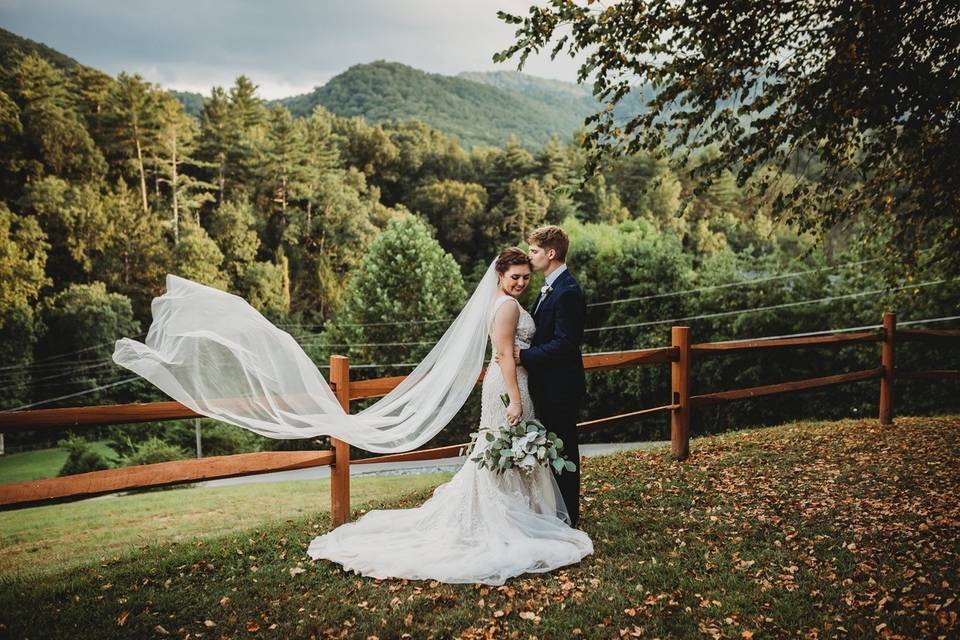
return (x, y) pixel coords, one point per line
(23, 256)
(521, 210)
(178, 167)
(214, 143)
(198, 258)
(233, 228)
(53, 139)
(136, 257)
(405, 278)
(133, 122)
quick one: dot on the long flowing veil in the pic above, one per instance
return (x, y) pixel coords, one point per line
(214, 353)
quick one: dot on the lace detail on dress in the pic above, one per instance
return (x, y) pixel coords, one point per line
(492, 412)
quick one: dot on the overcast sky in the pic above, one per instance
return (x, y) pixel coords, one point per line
(286, 46)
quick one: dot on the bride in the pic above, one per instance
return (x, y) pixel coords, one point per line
(212, 352)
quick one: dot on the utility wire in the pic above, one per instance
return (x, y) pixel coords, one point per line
(413, 364)
(784, 305)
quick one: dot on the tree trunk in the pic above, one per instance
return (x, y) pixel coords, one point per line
(143, 176)
(173, 185)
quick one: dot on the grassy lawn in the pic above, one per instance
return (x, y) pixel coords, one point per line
(821, 529)
(39, 464)
(52, 538)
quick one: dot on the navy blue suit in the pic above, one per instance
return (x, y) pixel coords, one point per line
(557, 381)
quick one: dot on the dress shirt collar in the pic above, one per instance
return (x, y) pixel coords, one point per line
(550, 279)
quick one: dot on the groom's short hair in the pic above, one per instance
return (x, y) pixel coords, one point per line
(551, 237)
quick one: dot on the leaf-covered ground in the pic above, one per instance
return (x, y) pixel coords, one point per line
(818, 530)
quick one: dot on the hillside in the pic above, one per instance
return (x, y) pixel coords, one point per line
(835, 529)
(478, 108)
(476, 113)
(10, 41)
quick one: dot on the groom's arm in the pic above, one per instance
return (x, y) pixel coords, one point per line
(567, 333)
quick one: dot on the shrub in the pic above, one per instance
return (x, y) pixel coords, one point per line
(155, 450)
(82, 457)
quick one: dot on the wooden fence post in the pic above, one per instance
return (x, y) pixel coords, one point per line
(887, 362)
(340, 469)
(680, 383)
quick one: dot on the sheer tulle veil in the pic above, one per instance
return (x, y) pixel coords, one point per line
(214, 353)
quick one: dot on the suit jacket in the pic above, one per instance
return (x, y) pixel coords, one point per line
(554, 359)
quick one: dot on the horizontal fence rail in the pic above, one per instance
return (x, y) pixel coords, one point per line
(681, 355)
(161, 474)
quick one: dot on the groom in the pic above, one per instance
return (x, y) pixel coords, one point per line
(554, 361)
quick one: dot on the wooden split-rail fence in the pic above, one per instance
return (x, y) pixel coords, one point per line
(681, 355)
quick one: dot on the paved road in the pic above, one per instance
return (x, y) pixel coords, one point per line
(413, 467)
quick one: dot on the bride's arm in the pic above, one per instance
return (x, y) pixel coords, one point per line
(504, 332)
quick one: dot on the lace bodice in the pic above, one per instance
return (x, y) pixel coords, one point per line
(525, 324)
(492, 412)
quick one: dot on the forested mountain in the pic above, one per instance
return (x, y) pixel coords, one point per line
(475, 112)
(10, 41)
(107, 185)
(192, 102)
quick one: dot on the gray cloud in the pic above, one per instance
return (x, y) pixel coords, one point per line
(285, 46)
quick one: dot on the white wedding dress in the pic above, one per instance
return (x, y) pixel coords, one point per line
(478, 527)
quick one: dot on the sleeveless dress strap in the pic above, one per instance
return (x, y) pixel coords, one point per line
(496, 307)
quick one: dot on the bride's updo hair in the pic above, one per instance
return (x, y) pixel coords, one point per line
(512, 256)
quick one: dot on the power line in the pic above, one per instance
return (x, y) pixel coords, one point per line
(766, 308)
(4, 378)
(739, 283)
(68, 353)
(846, 330)
(73, 395)
(413, 364)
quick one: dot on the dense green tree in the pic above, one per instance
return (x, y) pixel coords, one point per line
(197, 257)
(367, 148)
(247, 124)
(75, 221)
(233, 227)
(648, 188)
(266, 286)
(346, 219)
(286, 172)
(867, 89)
(23, 256)
(522, 209)
(596, 202)
(83, 321)
(456, 211)
(214, 145)
(405, 278)
(91, 90)
(512, 163)
(19, 333)
(425, 154)
(178, 168)
(133, 120)
(137, 256)
(54, 139)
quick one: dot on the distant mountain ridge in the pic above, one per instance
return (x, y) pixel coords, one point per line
(478, 108)
(475, 109)
(10, 41)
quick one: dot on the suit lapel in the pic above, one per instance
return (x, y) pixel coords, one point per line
(556, 286)
(535, 303)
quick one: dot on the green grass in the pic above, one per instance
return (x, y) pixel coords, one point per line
(52, 538)
(820, 529)
(41, 463)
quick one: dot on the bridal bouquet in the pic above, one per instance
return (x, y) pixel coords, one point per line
(522, 446)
